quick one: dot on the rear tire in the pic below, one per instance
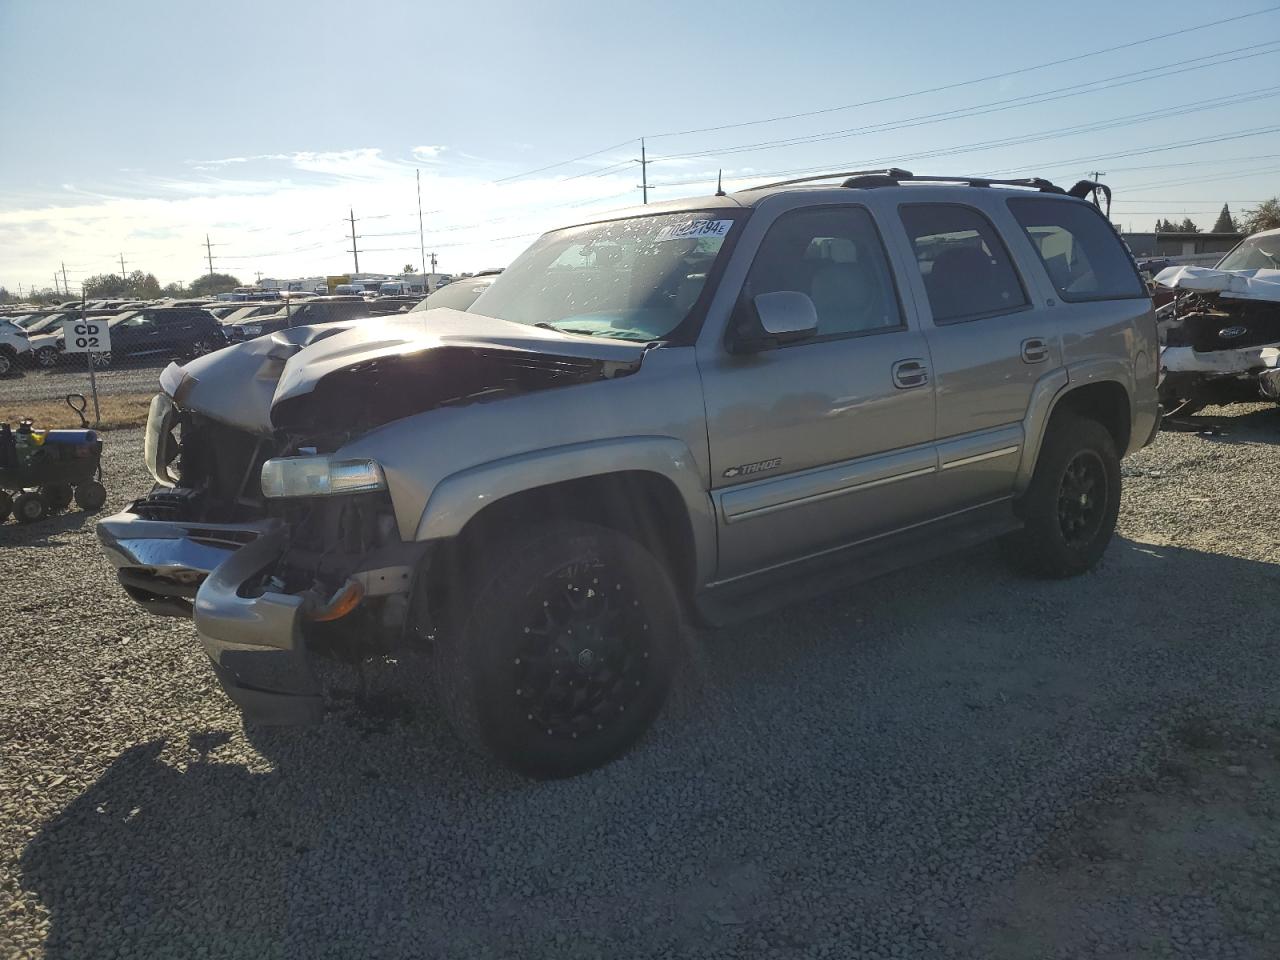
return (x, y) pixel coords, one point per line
(6, 506)
(559, 653)
(57, 496)
(47, 357)
(1069, 510)
(28, 507)
(90, 496)
(6, 361)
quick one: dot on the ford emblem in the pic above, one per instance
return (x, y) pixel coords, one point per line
(1230, 333)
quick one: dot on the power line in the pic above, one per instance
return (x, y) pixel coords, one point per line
(967, 83)
(1031, 138)
(998, 106)
(565, 163)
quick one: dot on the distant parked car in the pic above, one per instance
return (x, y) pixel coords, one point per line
(178, 332)
(13, 345)
(315, 310)
(460, 294)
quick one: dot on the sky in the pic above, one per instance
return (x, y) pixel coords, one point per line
(141, 127)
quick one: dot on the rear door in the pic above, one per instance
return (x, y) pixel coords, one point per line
(989, 341)
(827, 441)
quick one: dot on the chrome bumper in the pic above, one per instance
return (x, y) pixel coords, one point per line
(200, 570)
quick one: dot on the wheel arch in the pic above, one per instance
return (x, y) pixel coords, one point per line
(648, 488)
(1104, 399)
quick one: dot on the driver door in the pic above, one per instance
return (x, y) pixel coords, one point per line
(827, 441)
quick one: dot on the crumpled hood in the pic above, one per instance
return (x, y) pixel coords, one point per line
(1255, 284)
(244, 385)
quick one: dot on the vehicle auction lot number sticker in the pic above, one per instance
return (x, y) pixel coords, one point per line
(86, 336)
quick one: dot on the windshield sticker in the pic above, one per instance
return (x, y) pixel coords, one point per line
(694, 230)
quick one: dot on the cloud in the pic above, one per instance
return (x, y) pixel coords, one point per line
(427, 152)
(290, 224)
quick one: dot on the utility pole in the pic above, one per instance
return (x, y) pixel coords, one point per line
(433, 262)
(355, 251)
(259, 274)
(644, 172)
(65, 285)
(422, 243)
(123, 275)
(55, 283)
(208, 249)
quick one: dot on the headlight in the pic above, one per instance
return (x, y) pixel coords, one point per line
(320, 477)
(251, 330)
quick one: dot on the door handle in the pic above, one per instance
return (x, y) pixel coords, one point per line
(910, 373)
(1034, 350)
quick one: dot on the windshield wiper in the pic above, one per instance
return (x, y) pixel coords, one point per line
(551, 326)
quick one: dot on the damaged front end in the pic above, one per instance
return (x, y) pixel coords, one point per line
(259, 528)
(270, 575)
(1220, 337)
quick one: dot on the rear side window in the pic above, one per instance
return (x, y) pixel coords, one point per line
(1080, 251)
(966, 267)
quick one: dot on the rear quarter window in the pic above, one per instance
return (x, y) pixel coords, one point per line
(1080, 251)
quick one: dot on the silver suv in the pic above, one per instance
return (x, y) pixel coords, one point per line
(678, 415)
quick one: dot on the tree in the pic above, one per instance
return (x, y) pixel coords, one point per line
(1265, 216)
(144, 286)
(212, 283)
(104, 285)
(409, 268)
(1225, 222)
(175, 290)
(1188, 226)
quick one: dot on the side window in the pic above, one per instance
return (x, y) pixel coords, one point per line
(833, 254)
(966, 267)
(1081, 253)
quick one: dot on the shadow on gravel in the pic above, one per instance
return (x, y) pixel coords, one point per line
(43, 533)
(937, 715)
(1260, 425)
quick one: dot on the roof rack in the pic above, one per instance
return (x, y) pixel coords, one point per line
(893, 176)
(851, 174)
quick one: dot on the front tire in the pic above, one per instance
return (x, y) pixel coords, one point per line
(1069, 510)
(560, 652)
(90, 496)
(47, 357)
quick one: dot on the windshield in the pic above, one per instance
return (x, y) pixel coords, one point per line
(45, 324)
(1256, 253)
(634, 279)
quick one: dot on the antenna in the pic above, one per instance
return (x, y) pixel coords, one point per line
(719, 188)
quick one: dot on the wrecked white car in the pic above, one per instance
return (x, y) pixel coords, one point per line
(1220, 336)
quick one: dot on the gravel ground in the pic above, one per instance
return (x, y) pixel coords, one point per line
(135, 376)
(948, 762)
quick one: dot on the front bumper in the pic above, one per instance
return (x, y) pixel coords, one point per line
(1242, 361)
(253, 638)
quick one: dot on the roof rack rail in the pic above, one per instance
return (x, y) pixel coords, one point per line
(893, 176)
(891, 171)
(889, 178)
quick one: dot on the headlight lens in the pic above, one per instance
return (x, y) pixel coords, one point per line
(320, 477)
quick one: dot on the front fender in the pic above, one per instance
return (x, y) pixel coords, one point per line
(460, 496)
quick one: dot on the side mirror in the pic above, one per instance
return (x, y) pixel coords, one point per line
(784, 316)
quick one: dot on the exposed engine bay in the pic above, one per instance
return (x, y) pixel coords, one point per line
(1220, 337)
